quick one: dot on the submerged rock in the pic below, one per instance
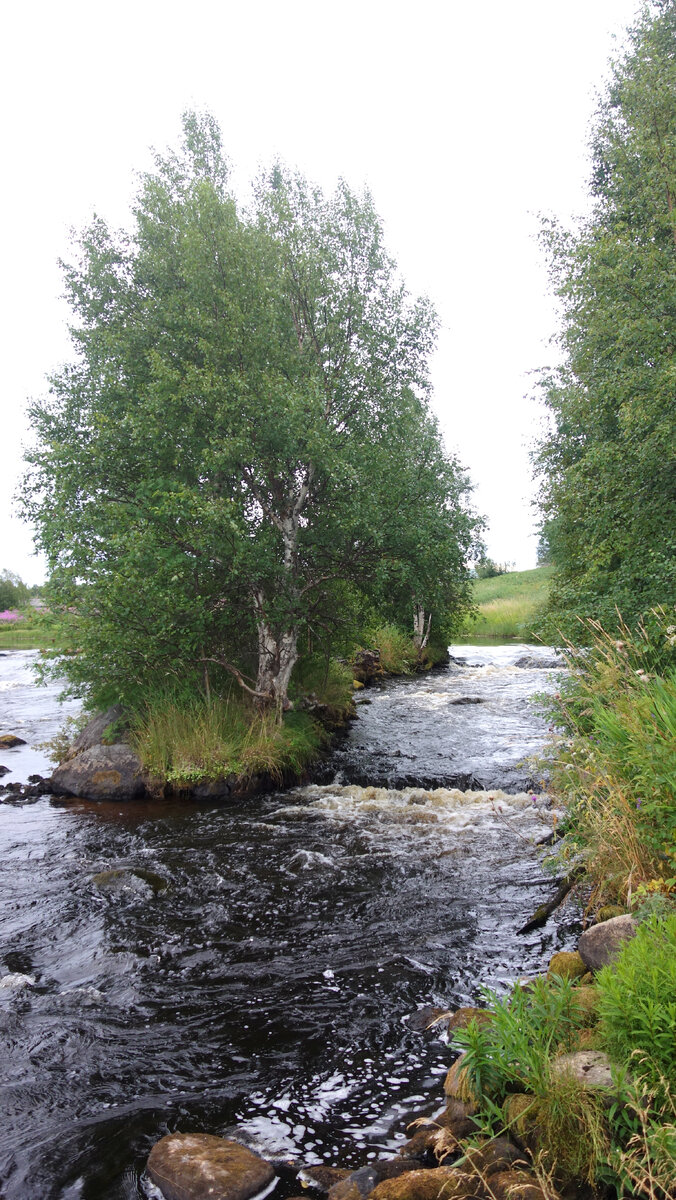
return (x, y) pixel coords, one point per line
(101, 773)
(530, 662)
(199, 1166)
(130, 879)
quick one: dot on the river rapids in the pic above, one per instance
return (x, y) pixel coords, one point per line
(250, 968)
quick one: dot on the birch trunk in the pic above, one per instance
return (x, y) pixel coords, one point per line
(420, 634)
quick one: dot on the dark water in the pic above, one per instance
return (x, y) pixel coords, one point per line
(266, 987)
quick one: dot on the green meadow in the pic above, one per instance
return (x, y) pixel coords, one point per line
(508, 603)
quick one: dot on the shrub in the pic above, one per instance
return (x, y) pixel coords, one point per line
(637, 1002)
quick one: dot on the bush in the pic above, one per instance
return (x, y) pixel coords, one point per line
(637, 1004)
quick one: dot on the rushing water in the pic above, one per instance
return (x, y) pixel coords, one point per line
(266, 986)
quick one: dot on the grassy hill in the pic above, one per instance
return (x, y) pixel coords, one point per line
(507, 603)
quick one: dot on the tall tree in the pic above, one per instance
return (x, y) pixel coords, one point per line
(225, 450)
(607, 467)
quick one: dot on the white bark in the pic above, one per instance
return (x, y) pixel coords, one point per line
(420, 634)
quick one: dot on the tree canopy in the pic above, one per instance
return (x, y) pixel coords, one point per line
(243, 446)
(607, 466)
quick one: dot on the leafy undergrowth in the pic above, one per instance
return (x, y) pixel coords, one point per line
(621, 1140)
(614, 766)
(399, 655)
(508, 603)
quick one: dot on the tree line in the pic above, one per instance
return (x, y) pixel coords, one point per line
(607, 466)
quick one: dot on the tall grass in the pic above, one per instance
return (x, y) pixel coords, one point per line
(615, 768)
(190, 741)
(508, 604)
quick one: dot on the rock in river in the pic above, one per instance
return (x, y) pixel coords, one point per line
(199, 1166)
(600, 944)
(101, 773)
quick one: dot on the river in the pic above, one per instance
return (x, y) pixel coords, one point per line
(266, 987)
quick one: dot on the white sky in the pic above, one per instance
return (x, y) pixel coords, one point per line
(465, 120)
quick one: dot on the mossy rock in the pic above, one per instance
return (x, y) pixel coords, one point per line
(462, 1017)
(609, 911)
(520, 1113)
(585, 1003)
(567, 964)
(457, 1083)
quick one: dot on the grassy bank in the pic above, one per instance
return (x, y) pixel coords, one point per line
(186, 740)
(508, 603)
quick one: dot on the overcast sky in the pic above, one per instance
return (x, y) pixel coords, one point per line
(467, 122)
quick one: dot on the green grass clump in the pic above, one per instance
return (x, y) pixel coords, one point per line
(637, 1003)
(191, 741)
(508, 603)
(324, 678)
(398, 652)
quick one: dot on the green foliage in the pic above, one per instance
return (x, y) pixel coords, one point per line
(487, 568)
(637, 1004)
(324, 678)
(398, 653)
(13, 591)
(512, 1052)
(608, 494)
(508, 603)
(616, 767)
(242, 454)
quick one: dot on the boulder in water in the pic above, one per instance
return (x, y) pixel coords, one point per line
(530, 662)
(9, 740)
(135, 879)
(101, 773)
(96, 731)
(200, 1166)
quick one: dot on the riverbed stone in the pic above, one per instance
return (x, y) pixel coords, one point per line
(498, 1154)
(323, 1178)
(9, 740)
(461, 1018)
(567, 964)
(591, 1068)
(200, 1166)
(518, 1185)
(600, 944)
(120, 879)
(456, 1083)
(101, 773)
(430, 1184)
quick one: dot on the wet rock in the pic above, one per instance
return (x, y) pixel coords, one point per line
(4, 771)
(566, 965)
(591, 1068)
(530, 662)
(362, 1182)
(462, 1017)
(429, 1185)
(95, 731)
(128, 878)
(468, 700)
(8, 740)
(600, 944)
(199, 1166)
(214, 789)
(426, 1018)
(323, 1178)
(101, 773)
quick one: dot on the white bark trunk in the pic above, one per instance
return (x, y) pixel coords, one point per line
(420, 634)
(277, 656)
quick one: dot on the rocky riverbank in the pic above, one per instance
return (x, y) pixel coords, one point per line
(454, 1152)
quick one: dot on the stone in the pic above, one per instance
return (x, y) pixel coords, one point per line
(323, 1178)
(600, 944)
(498, 1154)
(429, 1185)
(456, 1083)
(200, 1166)
(426, 1018)
(4, 771)
(461, 1018)
(101, 773)
(591, 1068)
(521, 1119)
(467, 700)
(518, 1185)
(585, 1001)
(8, 740)
(16, 981)
(94, 732)
(529, 662)
(610, 910)
(567, 964)
(358, 1184)
(128, 878)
